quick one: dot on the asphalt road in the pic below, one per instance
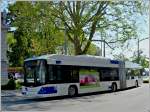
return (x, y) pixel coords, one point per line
(131, 100)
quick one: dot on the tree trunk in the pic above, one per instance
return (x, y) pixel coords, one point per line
(78, 50)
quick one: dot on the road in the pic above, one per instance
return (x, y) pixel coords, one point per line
(131, 100)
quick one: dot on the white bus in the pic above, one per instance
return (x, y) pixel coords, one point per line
(58, 75)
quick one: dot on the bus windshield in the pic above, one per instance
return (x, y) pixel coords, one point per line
(35, 72)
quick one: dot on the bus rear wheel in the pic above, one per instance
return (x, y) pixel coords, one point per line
(72, 91)
(114, 87)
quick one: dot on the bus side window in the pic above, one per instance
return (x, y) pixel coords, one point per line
(51, 75)
(75, 74)
(59, 73)
(109, 74)
(132, 77)
(105, 74)
(66, 74)
(129, 74)
(114, 74)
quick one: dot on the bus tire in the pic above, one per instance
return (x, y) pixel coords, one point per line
(114, 87)
(72, 91)
(136, 83)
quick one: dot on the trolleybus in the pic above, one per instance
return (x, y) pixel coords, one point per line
(58, 75)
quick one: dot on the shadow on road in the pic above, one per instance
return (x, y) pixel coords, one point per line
(17, 100)
(78, 96)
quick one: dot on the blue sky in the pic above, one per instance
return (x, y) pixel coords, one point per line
(142, 29)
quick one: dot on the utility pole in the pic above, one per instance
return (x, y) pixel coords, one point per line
(138, 48)
(138, 52)
(101, 47)
(104, 42)
(65, 42)
(104, 48)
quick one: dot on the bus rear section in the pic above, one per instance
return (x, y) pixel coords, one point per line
(133, 73)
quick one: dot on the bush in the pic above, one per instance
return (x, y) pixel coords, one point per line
(11, 85)
(4, 87)
(18, 84)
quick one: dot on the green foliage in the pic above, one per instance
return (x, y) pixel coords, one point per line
(121, 57)
(10, 39)
(18, 84)
(83, 19)
(35, 33)
(142, 60)
(12, 85)
(92, 50)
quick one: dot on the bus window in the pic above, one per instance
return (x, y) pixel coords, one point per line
(75, 75)
(132, 77)
(128, 74)
(51, 75)
(109, 74)
(41, 72)
(105, 75)
(114, 74)
(59, 74)
(66, 73)
(35, 72)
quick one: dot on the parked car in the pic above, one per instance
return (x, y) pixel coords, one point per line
(146, 79)
(146, 76)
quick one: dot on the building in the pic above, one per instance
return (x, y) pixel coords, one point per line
(4, 61)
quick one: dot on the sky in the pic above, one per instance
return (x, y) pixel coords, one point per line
(142, 23)
(142, 28)
(143, 32)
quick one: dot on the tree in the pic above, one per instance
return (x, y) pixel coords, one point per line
(82, 19)
(35, 34)
(142, 59)
(121, 57)
(41, 25)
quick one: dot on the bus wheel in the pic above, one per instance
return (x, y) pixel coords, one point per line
(72, 91)
(136, 83)
(114, 87)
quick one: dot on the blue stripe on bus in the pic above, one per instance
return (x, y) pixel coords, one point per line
(58, 62)
(114, 62)
(47, 90)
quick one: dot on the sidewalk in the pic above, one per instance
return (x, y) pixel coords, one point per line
(8, 93)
